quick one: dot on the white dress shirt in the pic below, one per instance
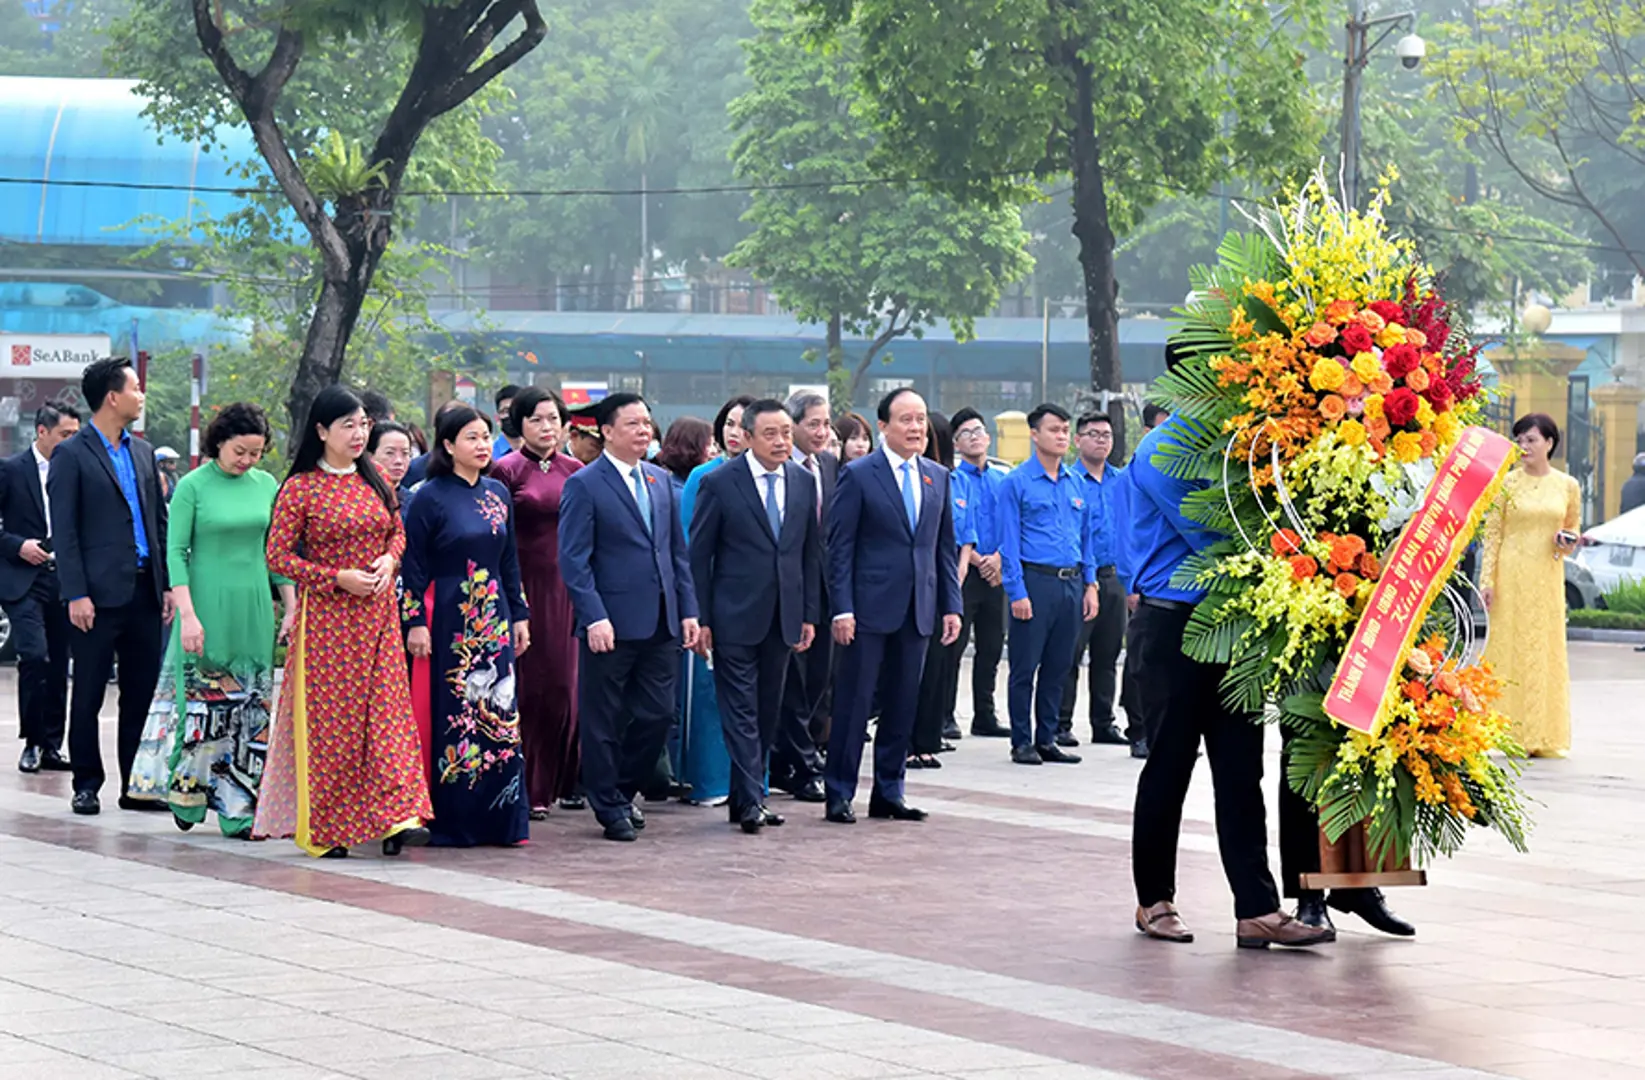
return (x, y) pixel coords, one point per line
(45, 497)
(628, 472)
(760, 473)
(897, 464)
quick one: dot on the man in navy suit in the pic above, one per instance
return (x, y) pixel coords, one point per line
(624, 560)
(756, 558)
(893, 577)
(28, 589)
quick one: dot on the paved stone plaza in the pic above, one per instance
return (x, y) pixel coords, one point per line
(992, 942)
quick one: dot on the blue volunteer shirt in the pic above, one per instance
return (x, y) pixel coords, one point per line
(976, 494)
(1101, 494)
(1160, 537)
(500, 446)
(126, 472)
(1044, 521)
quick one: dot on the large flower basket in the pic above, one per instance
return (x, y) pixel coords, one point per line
(1344, 864)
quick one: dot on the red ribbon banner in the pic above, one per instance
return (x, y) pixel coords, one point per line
(1414, 572)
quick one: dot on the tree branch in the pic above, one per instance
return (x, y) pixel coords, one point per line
(884, 338)
(530, 37)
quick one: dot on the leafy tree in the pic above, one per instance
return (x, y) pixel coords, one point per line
(860, 257)
(1135, 100)
(1555, 89)
(440, 55)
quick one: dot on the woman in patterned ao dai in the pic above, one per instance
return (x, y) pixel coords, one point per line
(461, 584)
(345, 766)
(1522, 577)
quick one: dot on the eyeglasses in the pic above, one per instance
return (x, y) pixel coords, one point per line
(1099, 435)
(970, 432)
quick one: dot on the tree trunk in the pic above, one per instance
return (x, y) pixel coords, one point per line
(326, 347)
(1096, 240)
(840, 386)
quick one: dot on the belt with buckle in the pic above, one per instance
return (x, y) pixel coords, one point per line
(1166, 605)
(1061, 573)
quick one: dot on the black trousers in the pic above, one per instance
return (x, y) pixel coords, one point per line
(40, 626)
(625, 702)
(1298, 831)
(939, 687)
(1181, 700)
(1136, 720)
(804, 716)
(886, 668)
(985, 609)
(134, 633)
(1098, 648)
(748, 683)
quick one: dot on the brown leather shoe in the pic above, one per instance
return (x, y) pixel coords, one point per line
(1278, 928)
(1162, 923)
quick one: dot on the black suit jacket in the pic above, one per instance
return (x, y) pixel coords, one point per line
(93, 535)
(745, 576)
(22, 517)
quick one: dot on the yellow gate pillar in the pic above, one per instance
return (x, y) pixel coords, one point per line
(1538, 375)
(1012, 430)
(1616, 414)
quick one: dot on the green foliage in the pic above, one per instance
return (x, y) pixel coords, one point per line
(1627, 598)
(868, 259)
(1600, 619)
(339, 169)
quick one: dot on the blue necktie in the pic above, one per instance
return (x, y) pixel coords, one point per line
(641, 498)
(773, 512)
(908, 496)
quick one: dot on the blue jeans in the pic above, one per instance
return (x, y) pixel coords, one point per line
(1042, 646)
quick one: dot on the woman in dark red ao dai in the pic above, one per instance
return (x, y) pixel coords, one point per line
(548, 671)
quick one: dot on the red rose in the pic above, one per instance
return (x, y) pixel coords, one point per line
(1400, 407)
(1390, 311)
(1401, 360)
(1355, 339)
(1439, 395)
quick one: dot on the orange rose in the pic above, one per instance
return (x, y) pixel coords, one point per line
(1448, 683)
(1415, 337)
(1381, 383)
(1346, 584)
(1416, 692)
(1320, 334)
(1347, 549)
(1285, 543)
(1338, 312)
(1332, 407)
(1303, 567)
(1378, 429)
(1368, 567)
(1429, 442)
(1371, 321)
(1417, 380)
(1352, 387)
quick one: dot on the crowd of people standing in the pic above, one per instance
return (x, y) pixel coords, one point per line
(570, 610)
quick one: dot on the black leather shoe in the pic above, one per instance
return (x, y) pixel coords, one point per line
(1109, 736)
(752, 821)
(85, 803)
(622, 829)
(1055, 754)
(335, 853)
(951, 730)
(1066, 738)
(416, 836)
(575, 802)
(1025, 755)
(145, 805)
(54, 761)
(886, 810)
(635, 818)
(773, 820)
(990, 730)
(1139, 749)
(30, 761)
(840, 813)
(183, 824)
(1370, 905)
(1311, 911)
(811, 791)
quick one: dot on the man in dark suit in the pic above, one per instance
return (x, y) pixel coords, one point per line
(796, 762)
(893, 572)
(624, 559)
(108, 519)
(756, 558)
(28, 590)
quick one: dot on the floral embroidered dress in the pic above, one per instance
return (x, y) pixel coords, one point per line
(344, 767)
(461, 579)
(205, 743)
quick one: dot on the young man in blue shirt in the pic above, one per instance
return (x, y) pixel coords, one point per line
(976, 487)
(1182, 702)
(1048, 566)
(1101, 638)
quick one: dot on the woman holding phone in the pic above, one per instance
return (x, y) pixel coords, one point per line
(1528, 534)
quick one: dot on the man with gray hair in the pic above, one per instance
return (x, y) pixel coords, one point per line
(1633, 490)
(796, 763)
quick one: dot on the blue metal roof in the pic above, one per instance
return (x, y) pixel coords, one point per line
(92, 129)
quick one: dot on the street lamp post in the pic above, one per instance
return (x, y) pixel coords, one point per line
(1410, 49)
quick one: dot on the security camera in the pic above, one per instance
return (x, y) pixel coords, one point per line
(1411, 49)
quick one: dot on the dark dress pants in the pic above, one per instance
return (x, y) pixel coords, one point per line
(40, 626)
(1098, 648)
(748, 683)
(1040, 653)
(985, 609)
(890, 664)
(795, 760)
(939, 686)
(1298, 830)
(1182, 703)
(625, 703)
(134, 633)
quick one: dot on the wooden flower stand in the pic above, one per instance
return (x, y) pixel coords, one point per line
(1343, 865)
